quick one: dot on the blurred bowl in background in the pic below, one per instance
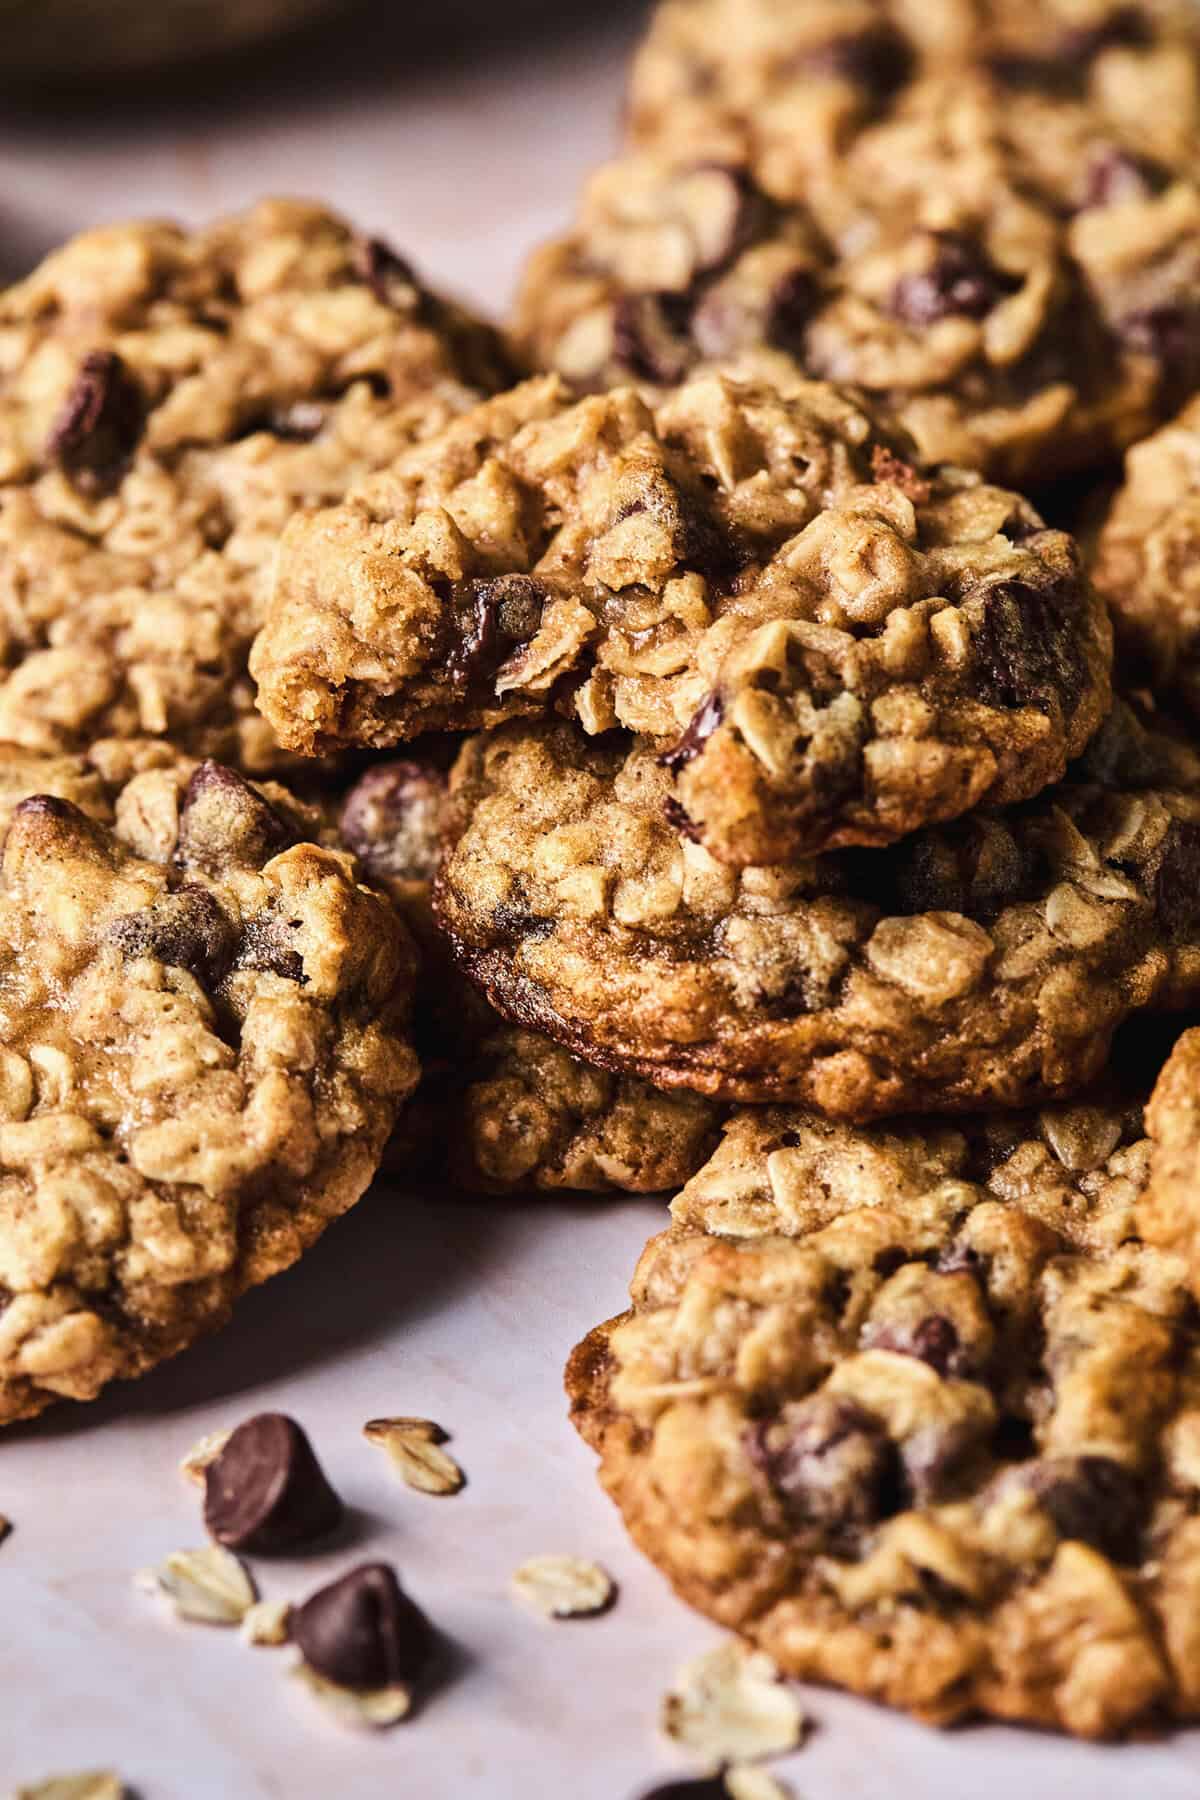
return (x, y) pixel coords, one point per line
(73, 40)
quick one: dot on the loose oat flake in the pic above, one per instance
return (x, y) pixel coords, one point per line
(97, 1784)
(563, 1587)
(415, 1448)
(730, 1705)
(267, 1623)
(209, 1585)
(375, 1707)
(205, 1451)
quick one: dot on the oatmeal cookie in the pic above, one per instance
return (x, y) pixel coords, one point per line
(917, 1414)
(204, 1049)
(828, 647)
(790, 83)
(1010, 276)
(1147, 561)
(1170, 1212)
(987, 962)
(499, 1108)
(167, 400)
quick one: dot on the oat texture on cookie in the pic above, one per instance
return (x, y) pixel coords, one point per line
(985, 962)
(827, 646)
(167, 400)
(205, 1046)
(914, 1409)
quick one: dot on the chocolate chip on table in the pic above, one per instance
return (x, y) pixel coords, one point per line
(100, 424)
(363, 1631)
(960, 282)
(266, 1491)
(392, 820)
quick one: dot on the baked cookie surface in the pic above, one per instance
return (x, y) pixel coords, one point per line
(167, 400)
(205, 1045)
(986, 962)
(1009, 274)
(917, 1414)
(827, 646)
(502, 1109)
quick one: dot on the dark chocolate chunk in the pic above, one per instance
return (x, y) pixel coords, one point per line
(1027, 652)
(651, 336)
(700, 727)
(1090, 1498)
(363, 1631)
(100, 424)
(932, 1340)
(960, 282)
(679, 819)
(186, 930)
(791, 305)
(392, 819)
(266, 1491)
(829, 1462)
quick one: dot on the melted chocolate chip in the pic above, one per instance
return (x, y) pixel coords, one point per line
(392, 820)
(651, 336)
(225, 822)
(700, 727)
(489, 618)
(186, 930)
(266, 1491)
(1090, 1498)
(829, 1463)
(1025, 652)
(388, 276)
(932, 1340)
(100, 424)
(265, 947)
(680, 820)
(960, 282)
(363, 1631)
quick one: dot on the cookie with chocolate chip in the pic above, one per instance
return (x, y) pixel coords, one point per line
(1009, 274)
(499, 1108)
(913, 1408)
(167, 400)
(826, 645)
(206, 1046)
(985, 962)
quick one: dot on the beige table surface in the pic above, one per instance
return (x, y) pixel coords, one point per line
(463, 150)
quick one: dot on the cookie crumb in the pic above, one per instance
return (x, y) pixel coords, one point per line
(731, 1705)
(211, 1586)
(564, 1587)
(414, 1446)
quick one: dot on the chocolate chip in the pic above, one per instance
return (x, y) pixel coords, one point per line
(488, 619)
(1171, 335)
(791, 305)
(1027, 652)
(265, 947)
(1125, 27)
(680, 820)
(388, 276)
(266, 1491)
(363, 1631)
(100, 424)
(878, 58)
(392, 819)
(1114, 176)
(933, 1340)
(225, 822)
(829, 1462)
(186, 930)
(1090, 1498)
(737, 215)
(960, 282)
(703, 722)
(651, 336)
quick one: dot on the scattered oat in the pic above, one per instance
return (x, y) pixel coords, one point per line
(210, 1585)
(414, 1446)
(563, 1587)
(97, 1784)
(205, 1451)
(755, 1784)
(375, 1707)
(730, 1705)
(267, 1623)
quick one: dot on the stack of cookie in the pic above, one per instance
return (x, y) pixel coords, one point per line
(792, 846)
